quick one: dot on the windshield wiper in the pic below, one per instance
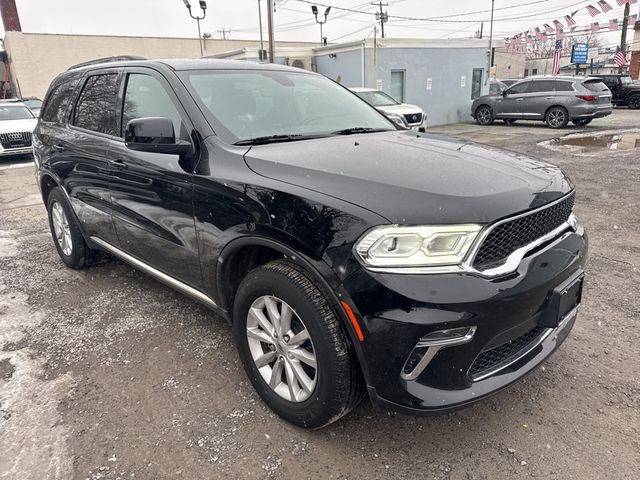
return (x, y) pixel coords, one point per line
(276, 139)
(354, 130)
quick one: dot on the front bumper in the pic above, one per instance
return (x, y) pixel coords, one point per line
(16, 152)
(397, 310)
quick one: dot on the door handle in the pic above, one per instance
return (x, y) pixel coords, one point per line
(519, 99)
(58, 148)
(549, 98)
(118, 163)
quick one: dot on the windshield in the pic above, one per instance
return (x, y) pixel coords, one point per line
(249, 104)
(377, 98)
(33, 103)
(626, 80)
(14, 112)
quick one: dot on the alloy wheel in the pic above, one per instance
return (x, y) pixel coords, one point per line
(281, 348)
(61, 228)
(484, 115)
(556, 117)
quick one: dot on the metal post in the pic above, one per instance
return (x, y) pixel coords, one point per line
(321, 37)
(270, 28)
(623, 35)
(486, 80)
(260, 23)
(200, 38)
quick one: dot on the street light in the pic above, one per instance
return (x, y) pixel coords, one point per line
(203, 7)
(314, 10)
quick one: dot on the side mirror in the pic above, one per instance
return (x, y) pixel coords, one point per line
(505, 93)
(155, 135)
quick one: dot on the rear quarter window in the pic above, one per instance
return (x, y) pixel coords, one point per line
(564, 86)
(595, 86)
(57, 103)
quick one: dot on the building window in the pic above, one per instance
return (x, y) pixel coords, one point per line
(534, 71)
(397, 85)
(476, 83)
(526, 72)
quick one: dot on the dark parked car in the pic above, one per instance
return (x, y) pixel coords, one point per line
(349, 256)
(554, 100)
(624, 90)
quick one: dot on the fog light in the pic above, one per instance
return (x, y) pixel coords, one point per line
(429, 345)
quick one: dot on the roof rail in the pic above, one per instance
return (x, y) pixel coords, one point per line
(118, 58)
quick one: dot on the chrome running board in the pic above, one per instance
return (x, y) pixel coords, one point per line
(157, 274)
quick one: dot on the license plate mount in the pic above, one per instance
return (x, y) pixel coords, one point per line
(564, 299)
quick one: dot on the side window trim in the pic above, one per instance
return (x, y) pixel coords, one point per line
(81, 84)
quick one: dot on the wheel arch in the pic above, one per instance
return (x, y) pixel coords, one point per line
(47, 183)
(557, 105)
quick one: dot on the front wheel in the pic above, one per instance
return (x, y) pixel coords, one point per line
(634, 102)
(484, 115)
(293, 348)
(557, 117)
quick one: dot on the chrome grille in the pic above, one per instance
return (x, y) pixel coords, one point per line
(15, 140)
(506, 353)
(509, 236)
(412, 118)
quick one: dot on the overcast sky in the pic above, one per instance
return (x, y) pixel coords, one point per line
(293, 18)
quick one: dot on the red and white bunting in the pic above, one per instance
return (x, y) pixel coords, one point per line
(570, 21)
(622, 2)
(548, 28)
(558, 25)
(604, 6)
(613, 24)
(595, 26)
(632, 20)
(593, 11)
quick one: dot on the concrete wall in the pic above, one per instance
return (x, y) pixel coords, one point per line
(447, 101)
(36, 58)
(508, 64)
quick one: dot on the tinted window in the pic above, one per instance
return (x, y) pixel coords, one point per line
(58, 101)
(564, 87)
(519, 88)
(96, 107)
(14, 112)
(542, 86)
(146, 97)
(595, 86)
(377, 98)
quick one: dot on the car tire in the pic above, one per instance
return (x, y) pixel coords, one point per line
(634, 102)
(582, 123)
(509, 121)
(66, 233)
(324, 393)
(557, 117)
(484, 115)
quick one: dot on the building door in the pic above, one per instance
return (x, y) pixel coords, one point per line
(476, 83)
(397, 85)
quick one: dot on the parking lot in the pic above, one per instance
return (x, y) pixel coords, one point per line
(105, 373)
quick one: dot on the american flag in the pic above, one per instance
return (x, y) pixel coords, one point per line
(604, 6)
(593, 11)
(632, 20)
(620, 58)
(570, 21)
(613, 25)
(548, 28)
(558, 25)
(622, 2)
(595, 26)
(557, 53)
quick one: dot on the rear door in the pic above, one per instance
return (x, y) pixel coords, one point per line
(152, 193)
(80, 152)
(509, 105)
(539, 97)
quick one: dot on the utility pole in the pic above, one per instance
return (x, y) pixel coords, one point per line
(224, 32)
(261, 39)
(381, 16)
(623, 35)
(490, 61)
(314, 10)
(270, 29)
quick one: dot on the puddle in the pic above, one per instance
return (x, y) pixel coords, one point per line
(598, 143)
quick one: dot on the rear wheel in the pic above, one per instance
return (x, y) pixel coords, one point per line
(484, 115)
(582, 123)
(293, 348)
(557, 117)
(634, 102)
(67, 237)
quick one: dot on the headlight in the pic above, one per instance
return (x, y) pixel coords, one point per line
(419, 246)
(397, 119)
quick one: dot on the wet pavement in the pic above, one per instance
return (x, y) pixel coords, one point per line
(601, 142)
(107, 374)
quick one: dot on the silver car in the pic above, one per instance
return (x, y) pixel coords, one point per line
(403, 114)
(554, 100)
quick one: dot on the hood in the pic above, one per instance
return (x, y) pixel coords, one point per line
(414, 179)
(26, 125)
(401, 109)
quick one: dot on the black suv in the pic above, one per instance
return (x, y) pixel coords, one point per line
(348, 255)
(624, 91)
